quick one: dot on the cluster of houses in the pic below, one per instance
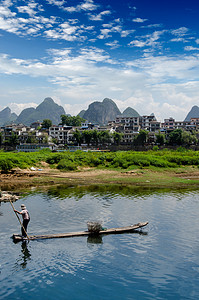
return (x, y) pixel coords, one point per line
(32, 137)
(130, 126)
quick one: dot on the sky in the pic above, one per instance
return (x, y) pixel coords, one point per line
(139, 53)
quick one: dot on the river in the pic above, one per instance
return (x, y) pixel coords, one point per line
(159, 262)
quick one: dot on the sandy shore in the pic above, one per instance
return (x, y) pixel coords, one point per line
(49, 176)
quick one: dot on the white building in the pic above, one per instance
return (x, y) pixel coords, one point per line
(60, 133)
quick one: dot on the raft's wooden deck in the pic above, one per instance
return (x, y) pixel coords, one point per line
(131, 228)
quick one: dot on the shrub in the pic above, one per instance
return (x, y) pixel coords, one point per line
(66, 165)
(94, 161)
(6, 164)
(54, 158)
(155, 148)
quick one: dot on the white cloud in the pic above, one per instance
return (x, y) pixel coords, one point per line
(107, 32)
(74, 109)
(163, 101)
(113, 45)
(180, 31)
(33, 30)
(6, 12)
(10, 25)
(190, 48)
(57, 2)
(68, 29)
(180, 39)
(139, 20)
(181, 35)
(152, 26)
(151, 39)
(137, 43)
(10, 22)
(125, 33)
(56, 35)
(18, 107)
(87, 5)
(29, 9)
(94, 54)
(68, 32)
(145, 83)
(164, 68)
(148, 40)
(100, 16)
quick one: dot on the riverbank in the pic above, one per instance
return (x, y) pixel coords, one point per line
(183, 177)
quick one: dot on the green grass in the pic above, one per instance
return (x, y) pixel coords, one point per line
(124, 160)
(150, 169)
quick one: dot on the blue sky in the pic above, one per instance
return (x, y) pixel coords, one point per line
(143, 54)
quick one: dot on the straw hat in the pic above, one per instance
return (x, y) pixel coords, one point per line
(23, 206)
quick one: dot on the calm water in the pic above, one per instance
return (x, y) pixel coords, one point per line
(162, 262)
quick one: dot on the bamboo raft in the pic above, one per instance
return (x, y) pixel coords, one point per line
(17, 237)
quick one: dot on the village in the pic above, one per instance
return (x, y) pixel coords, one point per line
(122, 132)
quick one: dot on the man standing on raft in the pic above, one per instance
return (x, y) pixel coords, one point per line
(26, 218)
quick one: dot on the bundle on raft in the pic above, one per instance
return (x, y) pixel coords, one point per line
(130, 228)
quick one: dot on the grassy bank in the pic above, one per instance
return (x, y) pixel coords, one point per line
(126, 160)
(154, 169)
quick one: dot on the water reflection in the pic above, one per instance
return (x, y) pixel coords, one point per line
(98, 239)
(24, 257)
(95, 239)
(1, 214)
(106, 193)
(65, 191)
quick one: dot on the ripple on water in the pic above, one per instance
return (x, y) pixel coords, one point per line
(161, 262)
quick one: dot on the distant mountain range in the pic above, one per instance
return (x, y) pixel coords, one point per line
(6, 116)
(107, 110)
(101, 112)
(48, 109)
(130, 112)
(194, 113)
(97, 112)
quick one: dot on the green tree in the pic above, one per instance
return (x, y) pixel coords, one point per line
(104, 137)
(45, 139)
(47, 123)
(160, 138)
(117, 137)
(65, 120)
(141, 138)
(78, 137)
(95, 137)
(87, 136)
(12, 140)
(1, 138)
(31, 139)
(55, 141)
(189, 138)
(175, 137)
(75, 121)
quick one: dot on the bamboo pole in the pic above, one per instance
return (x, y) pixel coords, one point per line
(19, 220)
